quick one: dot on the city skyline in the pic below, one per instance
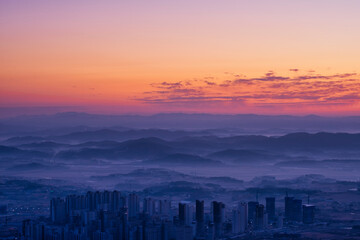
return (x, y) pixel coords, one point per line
(98, 212)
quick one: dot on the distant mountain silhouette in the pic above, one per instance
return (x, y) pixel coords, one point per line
(34, 167)
(247, 122)
(320, 140)
(144, 148)
(104, 144)
(331, 163)
(98, 144)
(13, 152)
(146, 173)
(44, 146)
(239, 156)
(23, 140)
(294, 141)
(191, 190)
(104, 134)
(184, 159)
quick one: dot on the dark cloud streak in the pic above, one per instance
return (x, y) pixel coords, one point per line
(306, 89)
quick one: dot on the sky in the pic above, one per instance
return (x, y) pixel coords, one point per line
(260, 56)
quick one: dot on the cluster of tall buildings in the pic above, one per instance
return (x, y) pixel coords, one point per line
(254, 216)
(116, 216)
(297, 212)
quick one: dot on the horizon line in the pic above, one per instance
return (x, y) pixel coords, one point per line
(143, 114)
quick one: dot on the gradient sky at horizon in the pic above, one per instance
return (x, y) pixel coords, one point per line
(234, 56)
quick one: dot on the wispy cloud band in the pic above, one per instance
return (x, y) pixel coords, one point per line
(270, 89)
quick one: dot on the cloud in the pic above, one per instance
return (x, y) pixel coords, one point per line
(269, 77)
(352, 97)
(273, 89)
(327, 77)
(210, 83)
(167, 85)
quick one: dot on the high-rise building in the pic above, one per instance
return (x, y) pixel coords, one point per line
(70, 204)
(218, 209)
(288, 207)
(98, 235)
(235, 221)
(243, 208)
(149, 206)
(134, 205)
(200, 222)
(280, 221)
(270, 208)
(252, 211)
(259, 217)
(106, 197)
(57, 210)
(117, 201)
(184, 233)
(90, 201)
(308, 214)
(152, 232)
(185, 217)
(293, 209)
(297, 210)
(240, 218)
(97, 200)
(211, 231)
(165, 207)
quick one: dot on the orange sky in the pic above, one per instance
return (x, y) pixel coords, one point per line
(190, 56)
